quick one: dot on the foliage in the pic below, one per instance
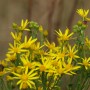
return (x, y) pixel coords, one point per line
(33, 63)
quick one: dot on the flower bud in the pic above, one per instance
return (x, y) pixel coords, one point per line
(84, 26)
(79, 23)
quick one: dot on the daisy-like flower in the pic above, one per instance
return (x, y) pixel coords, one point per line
(16, 36)
(51, 46)
(85, 62)
(24, 25)
(59, 70)
(28, 42)
(83, 13)
(16, 48)
(45, 65)
(69, 67)
(25, 79)
(58, 55)
(13, 68)
(11, 57)
(27, 63)
(87, 42)
(36, 46)
(64, 37)
(3, 64)
(72, 52)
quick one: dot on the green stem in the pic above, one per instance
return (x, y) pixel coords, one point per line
(3, 84)
(44, 80)
(56, 82)
(41, 38)
(17, 60)
(87, 84)
(78, 83)
(70, 86)
(50, 82)
(9, 86)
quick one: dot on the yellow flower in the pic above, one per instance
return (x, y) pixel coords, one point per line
(45, 32)
(61, 53)
(24, 25)
(2, 67)
(11, 57)
(69, 67)
(36, 46)
(16, 48)
(3, 62)
(64, 37)
(26, 78)
(28, 42)
(85, 62)
(16, 36)
(59, 70)
(72, 52)
(65, 68)
(54, 63)
(8, 78)
(50, 45)
(13, 68)
(58, 54)
(83, 13)
(27, 63)
(2, 73)
(45, 65)
(87, 42)
(41, 29)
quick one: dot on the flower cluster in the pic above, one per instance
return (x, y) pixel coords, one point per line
(34, 63)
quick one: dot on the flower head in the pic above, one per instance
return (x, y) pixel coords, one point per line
(16, 48)
(22, 27)
(50, 46)
(11, 57)
(28, 42)
(69, 67)
(16, 36)
(87, 42)
(83, 13)
(86, 62)
(26, 78)
(64, 37)
(2, 67)
(45, 65)
(72, 52)
(27, 63)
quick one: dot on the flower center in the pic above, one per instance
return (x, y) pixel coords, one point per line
(60, 71)
(71, 54)
(42, 68)
(15, 49)
(85, 63)
(64, 37)
(24, 77)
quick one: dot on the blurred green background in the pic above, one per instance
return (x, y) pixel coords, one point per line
(52, 14)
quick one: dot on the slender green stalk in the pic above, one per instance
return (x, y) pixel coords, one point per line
(43, 80)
